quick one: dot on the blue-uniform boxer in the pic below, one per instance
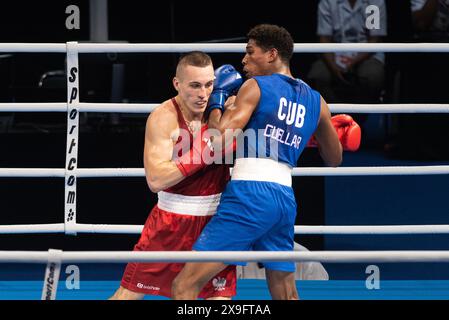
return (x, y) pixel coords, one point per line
(257, 209)
(278, 114)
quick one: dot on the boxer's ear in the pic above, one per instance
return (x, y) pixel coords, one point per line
(176, 83)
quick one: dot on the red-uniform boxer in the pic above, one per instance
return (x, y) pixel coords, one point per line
(186, 200)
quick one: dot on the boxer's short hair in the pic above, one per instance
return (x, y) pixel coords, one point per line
(194, 58)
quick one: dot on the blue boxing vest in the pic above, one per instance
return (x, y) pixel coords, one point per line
(283, 122)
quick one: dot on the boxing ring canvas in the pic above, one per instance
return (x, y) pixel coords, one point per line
(251, 289)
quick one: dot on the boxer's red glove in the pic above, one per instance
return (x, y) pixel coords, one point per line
(194, 160)
(348, 131)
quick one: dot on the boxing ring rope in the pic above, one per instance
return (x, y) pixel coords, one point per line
(73, 106)
(54, 258)
(296, 172)
(149, 107)
(316, 230)
(393, 256)
(220, 47)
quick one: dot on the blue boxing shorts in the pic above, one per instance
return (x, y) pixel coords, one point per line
(252, 215)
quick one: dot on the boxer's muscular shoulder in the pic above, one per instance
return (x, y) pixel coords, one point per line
(162, 123)
(163, 118)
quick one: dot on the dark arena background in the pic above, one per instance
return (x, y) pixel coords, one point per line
(115, 140)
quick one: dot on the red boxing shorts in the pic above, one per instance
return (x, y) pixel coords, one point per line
(168, 231)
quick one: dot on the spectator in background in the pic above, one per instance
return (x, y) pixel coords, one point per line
(424, 80)
(349, 76)
(431, 20)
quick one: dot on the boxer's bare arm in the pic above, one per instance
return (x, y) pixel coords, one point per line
(329, 146)
(160, 136)
(237, 114)
(216, 114)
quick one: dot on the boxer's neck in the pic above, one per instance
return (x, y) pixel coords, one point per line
(187, 114)
(192, 121)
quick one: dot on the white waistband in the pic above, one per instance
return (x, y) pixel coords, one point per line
(258, 169)
(188, 205)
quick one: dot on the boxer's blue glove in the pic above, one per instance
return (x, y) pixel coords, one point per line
(227, 82)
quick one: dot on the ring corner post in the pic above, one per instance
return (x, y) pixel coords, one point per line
(71, 164)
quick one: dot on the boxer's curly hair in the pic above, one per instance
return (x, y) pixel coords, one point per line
(270, 36)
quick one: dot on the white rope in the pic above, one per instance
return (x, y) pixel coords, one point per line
(298, 171)
(371, 171)
(149, 107)
(32, 47)
(81, 172)
(32, 228)
(226, 256)
(161, 47)
(371, 47)
(31, 173)
(110, 172)
(118, 107)
(222, 47)
(374, 230)
(83, 107)
(107, 172)
(108, 228)
(137, 229)
(368, 230)
(33, 107)
(389, 108)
